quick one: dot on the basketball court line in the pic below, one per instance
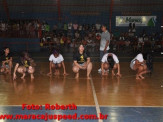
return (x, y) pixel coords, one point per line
(95, 100)
(131, 106)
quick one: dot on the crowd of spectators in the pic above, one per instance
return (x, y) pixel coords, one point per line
(23, 28)
(70, 35)
(137, 42)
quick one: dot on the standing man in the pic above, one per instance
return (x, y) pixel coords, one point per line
(104, 43)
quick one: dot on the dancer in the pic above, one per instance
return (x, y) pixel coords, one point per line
(110, 61)
(82, 61)
(56, 61)
(6, 61)
(25, 64)
(143, 64)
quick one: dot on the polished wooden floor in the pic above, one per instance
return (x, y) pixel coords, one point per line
(110, 91)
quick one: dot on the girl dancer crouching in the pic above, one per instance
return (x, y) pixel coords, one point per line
(143, 64)
(25, 64)
(56, 61)
(82, 61)
(6, 61)
(110, 61)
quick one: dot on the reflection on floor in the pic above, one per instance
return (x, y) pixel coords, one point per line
(112, 91)
(122, 99)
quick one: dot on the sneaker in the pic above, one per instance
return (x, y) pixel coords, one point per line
(99, 70)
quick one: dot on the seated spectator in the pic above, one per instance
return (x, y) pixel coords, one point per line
(98, 26)
(89, 42)
(140, 42)
(127, 42)
(62, 40)
(42, 28)
(93, 27)
(70, 26)
(84, 42)
(55, 39)
(80, 28)
(114, 43)
(90, 34)
(69, 33)
(48, 37)
(47, 27)
(134, 30)
(77, 35)
(122, 38)
(75, 26)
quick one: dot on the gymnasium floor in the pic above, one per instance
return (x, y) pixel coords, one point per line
(122, 99)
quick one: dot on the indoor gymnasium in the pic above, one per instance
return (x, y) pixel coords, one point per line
(81, 60)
